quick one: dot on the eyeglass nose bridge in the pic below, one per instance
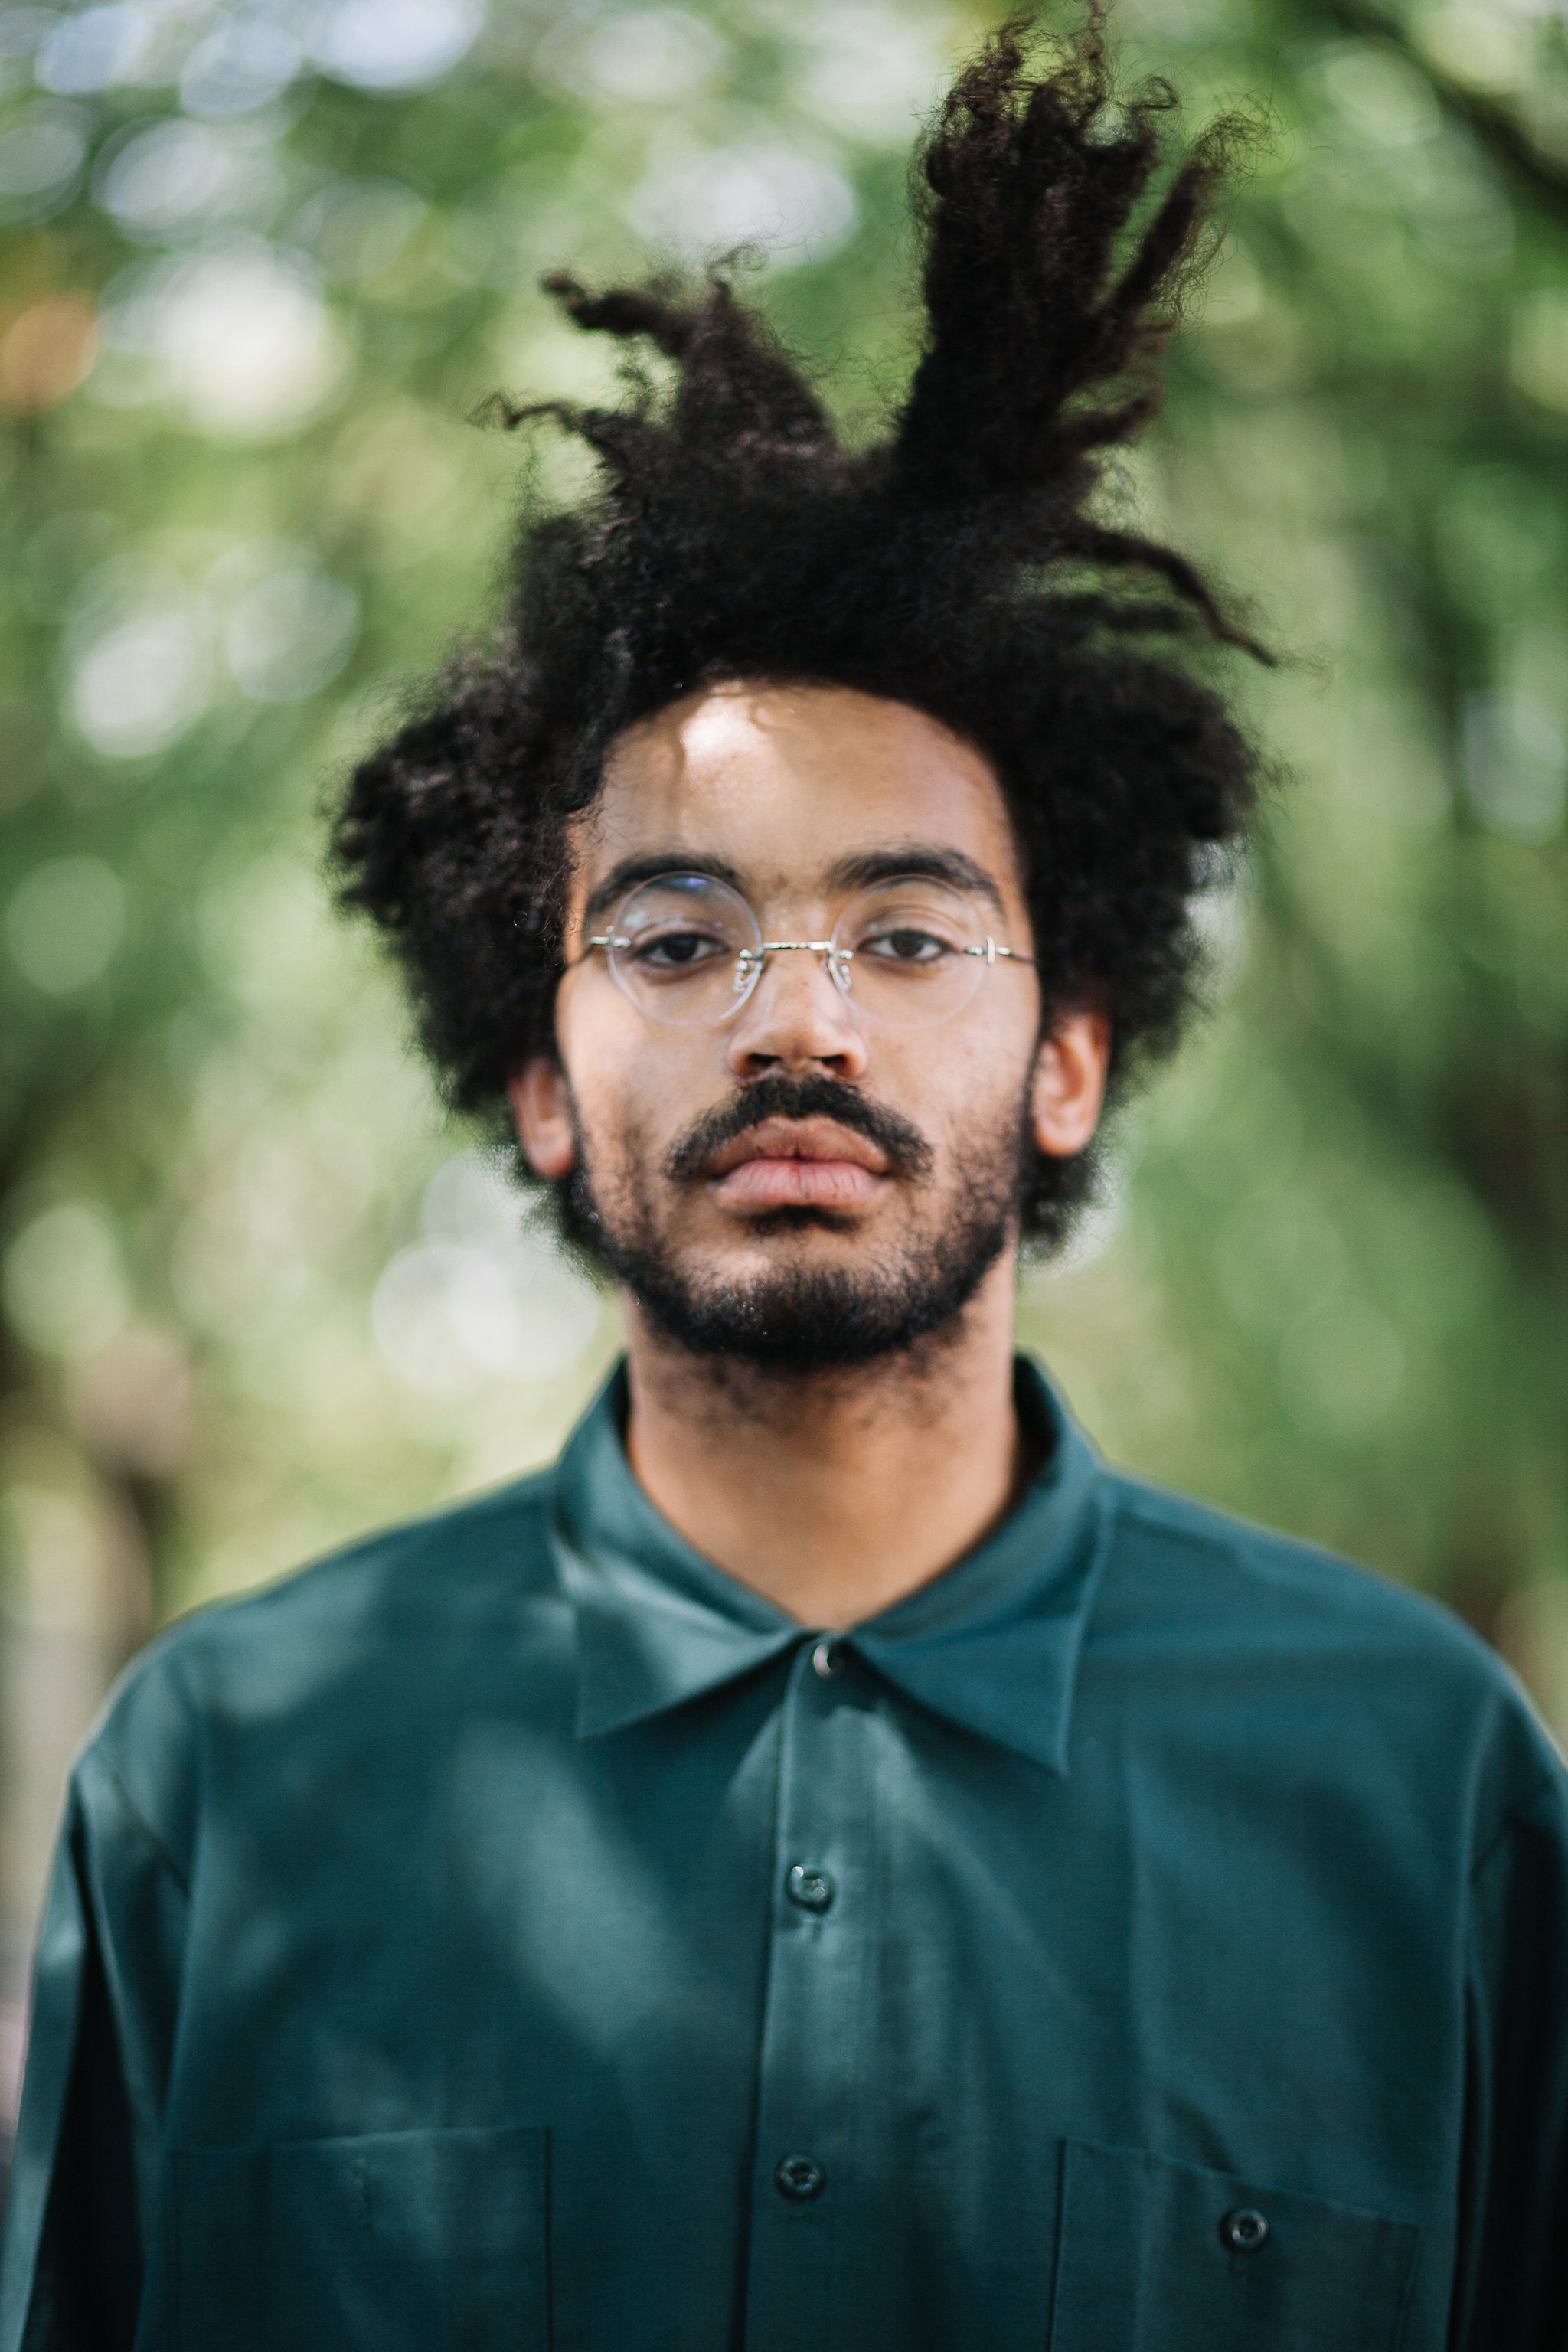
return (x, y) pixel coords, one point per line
(750, 963)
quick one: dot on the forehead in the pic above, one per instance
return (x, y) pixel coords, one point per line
(785, 783)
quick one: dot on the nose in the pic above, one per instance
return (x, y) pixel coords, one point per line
(795, 1019)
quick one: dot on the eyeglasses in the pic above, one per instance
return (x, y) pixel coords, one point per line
(906, 953)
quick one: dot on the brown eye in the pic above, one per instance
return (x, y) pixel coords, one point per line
(904, 946)
(684, 948)
(678, 952)
(910, 952)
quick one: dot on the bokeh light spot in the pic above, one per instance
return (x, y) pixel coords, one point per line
(1515, 767)
(47, 349)
(64, 923)
(94, 48)
(757, 191)
(355, 228)
(42, 151)
(393, 43)
(63, 1287)
(177, 179)
(138, 683)
(483, 1295)
(244, 65)
(238, 335)
(872, 72)
(290, 634)
(645, 57)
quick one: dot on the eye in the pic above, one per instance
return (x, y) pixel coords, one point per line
(904, 944)
(677, 952)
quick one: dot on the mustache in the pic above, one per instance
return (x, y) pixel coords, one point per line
(904, 1146)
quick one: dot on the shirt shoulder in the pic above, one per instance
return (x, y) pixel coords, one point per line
(410, 1616)
(1341, 1655)
(1182, 1554)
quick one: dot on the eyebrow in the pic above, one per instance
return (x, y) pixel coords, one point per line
(915, 860)
(650, 867)
(924, 861)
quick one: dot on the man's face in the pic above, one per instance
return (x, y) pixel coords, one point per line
(798, 1182)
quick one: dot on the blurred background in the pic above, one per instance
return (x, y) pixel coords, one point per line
(261, 262)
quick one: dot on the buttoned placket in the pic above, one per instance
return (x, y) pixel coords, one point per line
(806, 2189)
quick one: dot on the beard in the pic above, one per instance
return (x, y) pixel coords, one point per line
(798, 1319)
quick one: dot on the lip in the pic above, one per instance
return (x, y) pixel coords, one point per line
(787, 1163)
(817, 1139)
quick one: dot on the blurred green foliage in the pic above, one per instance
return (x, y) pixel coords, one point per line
(261, 262)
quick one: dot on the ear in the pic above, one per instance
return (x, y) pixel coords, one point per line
(1068, 1088)
(541, 1107)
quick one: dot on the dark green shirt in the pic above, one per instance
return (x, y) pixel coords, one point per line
(1150, 1937)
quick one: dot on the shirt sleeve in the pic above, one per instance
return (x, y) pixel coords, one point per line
(84, 2172)
(1512, 2288)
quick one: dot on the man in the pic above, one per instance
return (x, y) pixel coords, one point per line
(831, 1864)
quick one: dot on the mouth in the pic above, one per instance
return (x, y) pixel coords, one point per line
(791, 1163)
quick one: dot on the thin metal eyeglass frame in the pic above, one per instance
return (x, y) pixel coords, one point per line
(748, 962)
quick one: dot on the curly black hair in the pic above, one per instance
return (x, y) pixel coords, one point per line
(959, 565)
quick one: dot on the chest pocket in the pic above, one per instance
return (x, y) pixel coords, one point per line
(401, 2241)
(1156, 2256)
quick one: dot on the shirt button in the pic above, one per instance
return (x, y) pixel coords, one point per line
(814, 1890)
(800, 2178)
(1245, 2229)
(829, 1659)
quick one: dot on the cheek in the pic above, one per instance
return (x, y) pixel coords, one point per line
(958, 1084)
(988, 1053)
(631, 1084)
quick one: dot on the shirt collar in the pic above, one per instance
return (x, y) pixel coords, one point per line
(991, 1644)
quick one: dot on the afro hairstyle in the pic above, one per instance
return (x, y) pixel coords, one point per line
(962, 563)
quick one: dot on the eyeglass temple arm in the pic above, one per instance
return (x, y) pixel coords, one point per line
(990, 951)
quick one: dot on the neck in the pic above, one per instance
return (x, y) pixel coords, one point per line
(834, 1494)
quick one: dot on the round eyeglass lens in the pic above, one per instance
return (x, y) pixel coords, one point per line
(910, 953)
(684, 948)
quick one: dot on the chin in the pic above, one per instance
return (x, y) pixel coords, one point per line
(801, 1288)
(802, 1306)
